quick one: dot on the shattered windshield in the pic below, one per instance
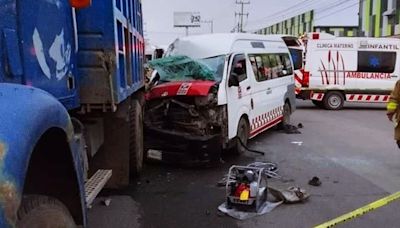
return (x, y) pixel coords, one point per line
(183, 68)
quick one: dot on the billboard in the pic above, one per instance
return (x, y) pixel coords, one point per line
(187, 19)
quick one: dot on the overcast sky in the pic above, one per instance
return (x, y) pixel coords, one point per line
(158, 15)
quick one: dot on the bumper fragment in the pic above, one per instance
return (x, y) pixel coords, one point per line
(176, 147)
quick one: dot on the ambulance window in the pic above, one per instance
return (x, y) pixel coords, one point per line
(297, 58)
(239, 67)
(380, 62)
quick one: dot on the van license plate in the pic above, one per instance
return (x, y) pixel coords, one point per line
(155, 154)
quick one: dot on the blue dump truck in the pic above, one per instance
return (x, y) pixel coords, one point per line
(71, 98)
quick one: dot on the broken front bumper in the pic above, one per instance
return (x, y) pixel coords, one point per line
(175, 147)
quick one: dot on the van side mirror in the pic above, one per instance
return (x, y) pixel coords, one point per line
(79, 4)
(233, 80)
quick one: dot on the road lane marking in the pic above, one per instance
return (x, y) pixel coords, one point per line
(360, 211)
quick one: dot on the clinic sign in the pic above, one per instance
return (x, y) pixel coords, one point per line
(187, 19)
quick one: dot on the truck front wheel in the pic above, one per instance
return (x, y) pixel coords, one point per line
(334, 100)
(136, 138)
(37, 211)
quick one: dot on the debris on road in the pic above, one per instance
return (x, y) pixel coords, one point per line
(300, 125)
(291, 195)
(297, 143)
(315, 181)
(107, 202)
(242, 215)
(290, 129)
(250, 150)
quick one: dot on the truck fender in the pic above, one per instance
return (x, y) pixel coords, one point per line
(27, 116)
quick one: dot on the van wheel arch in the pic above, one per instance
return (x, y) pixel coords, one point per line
(286, 113)
(242, 135)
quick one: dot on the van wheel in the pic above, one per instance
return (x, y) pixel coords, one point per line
(242, 135)
(37, 211)
(333, 100)
(136, 138)
(287, 111)
(319, 104)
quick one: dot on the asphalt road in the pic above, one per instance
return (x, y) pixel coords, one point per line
(352, 151)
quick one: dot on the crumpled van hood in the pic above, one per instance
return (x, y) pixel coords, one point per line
(180, 88)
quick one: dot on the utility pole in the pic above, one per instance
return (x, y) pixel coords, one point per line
(211, 22)
(241, 14)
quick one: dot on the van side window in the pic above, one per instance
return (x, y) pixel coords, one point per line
(274, 66)
(239, 67)
(267, 67)
(254, 66)
(287, 65)
(379, 62)
(261, 68)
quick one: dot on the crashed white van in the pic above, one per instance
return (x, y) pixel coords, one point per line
(213, 90)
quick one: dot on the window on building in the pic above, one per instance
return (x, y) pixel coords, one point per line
(373, 61)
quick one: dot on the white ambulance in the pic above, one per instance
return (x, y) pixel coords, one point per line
(247, 87)
(339, 69)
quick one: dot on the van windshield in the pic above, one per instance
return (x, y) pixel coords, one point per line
(183, 68)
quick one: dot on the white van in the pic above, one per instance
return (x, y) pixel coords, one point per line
(215, 89)
(356, 69)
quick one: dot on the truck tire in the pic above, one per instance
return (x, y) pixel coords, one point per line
(136, 138)
(333, 100)
(242, 135)
(37, 211)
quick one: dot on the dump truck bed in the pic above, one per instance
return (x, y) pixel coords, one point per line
(111, 51)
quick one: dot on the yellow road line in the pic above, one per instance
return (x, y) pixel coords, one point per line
(361, 211)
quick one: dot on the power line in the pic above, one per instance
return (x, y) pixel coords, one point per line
(301, 8)
(241, 14)
(328, 8)
(358, 2)
(282, 11)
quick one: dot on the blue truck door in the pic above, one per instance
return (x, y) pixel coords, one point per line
(47, 35)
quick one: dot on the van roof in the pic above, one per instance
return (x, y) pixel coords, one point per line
(210, 45)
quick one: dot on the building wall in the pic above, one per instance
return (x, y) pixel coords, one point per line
(379, 17)
(338, 31)
(302, 23)
(294, 26)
